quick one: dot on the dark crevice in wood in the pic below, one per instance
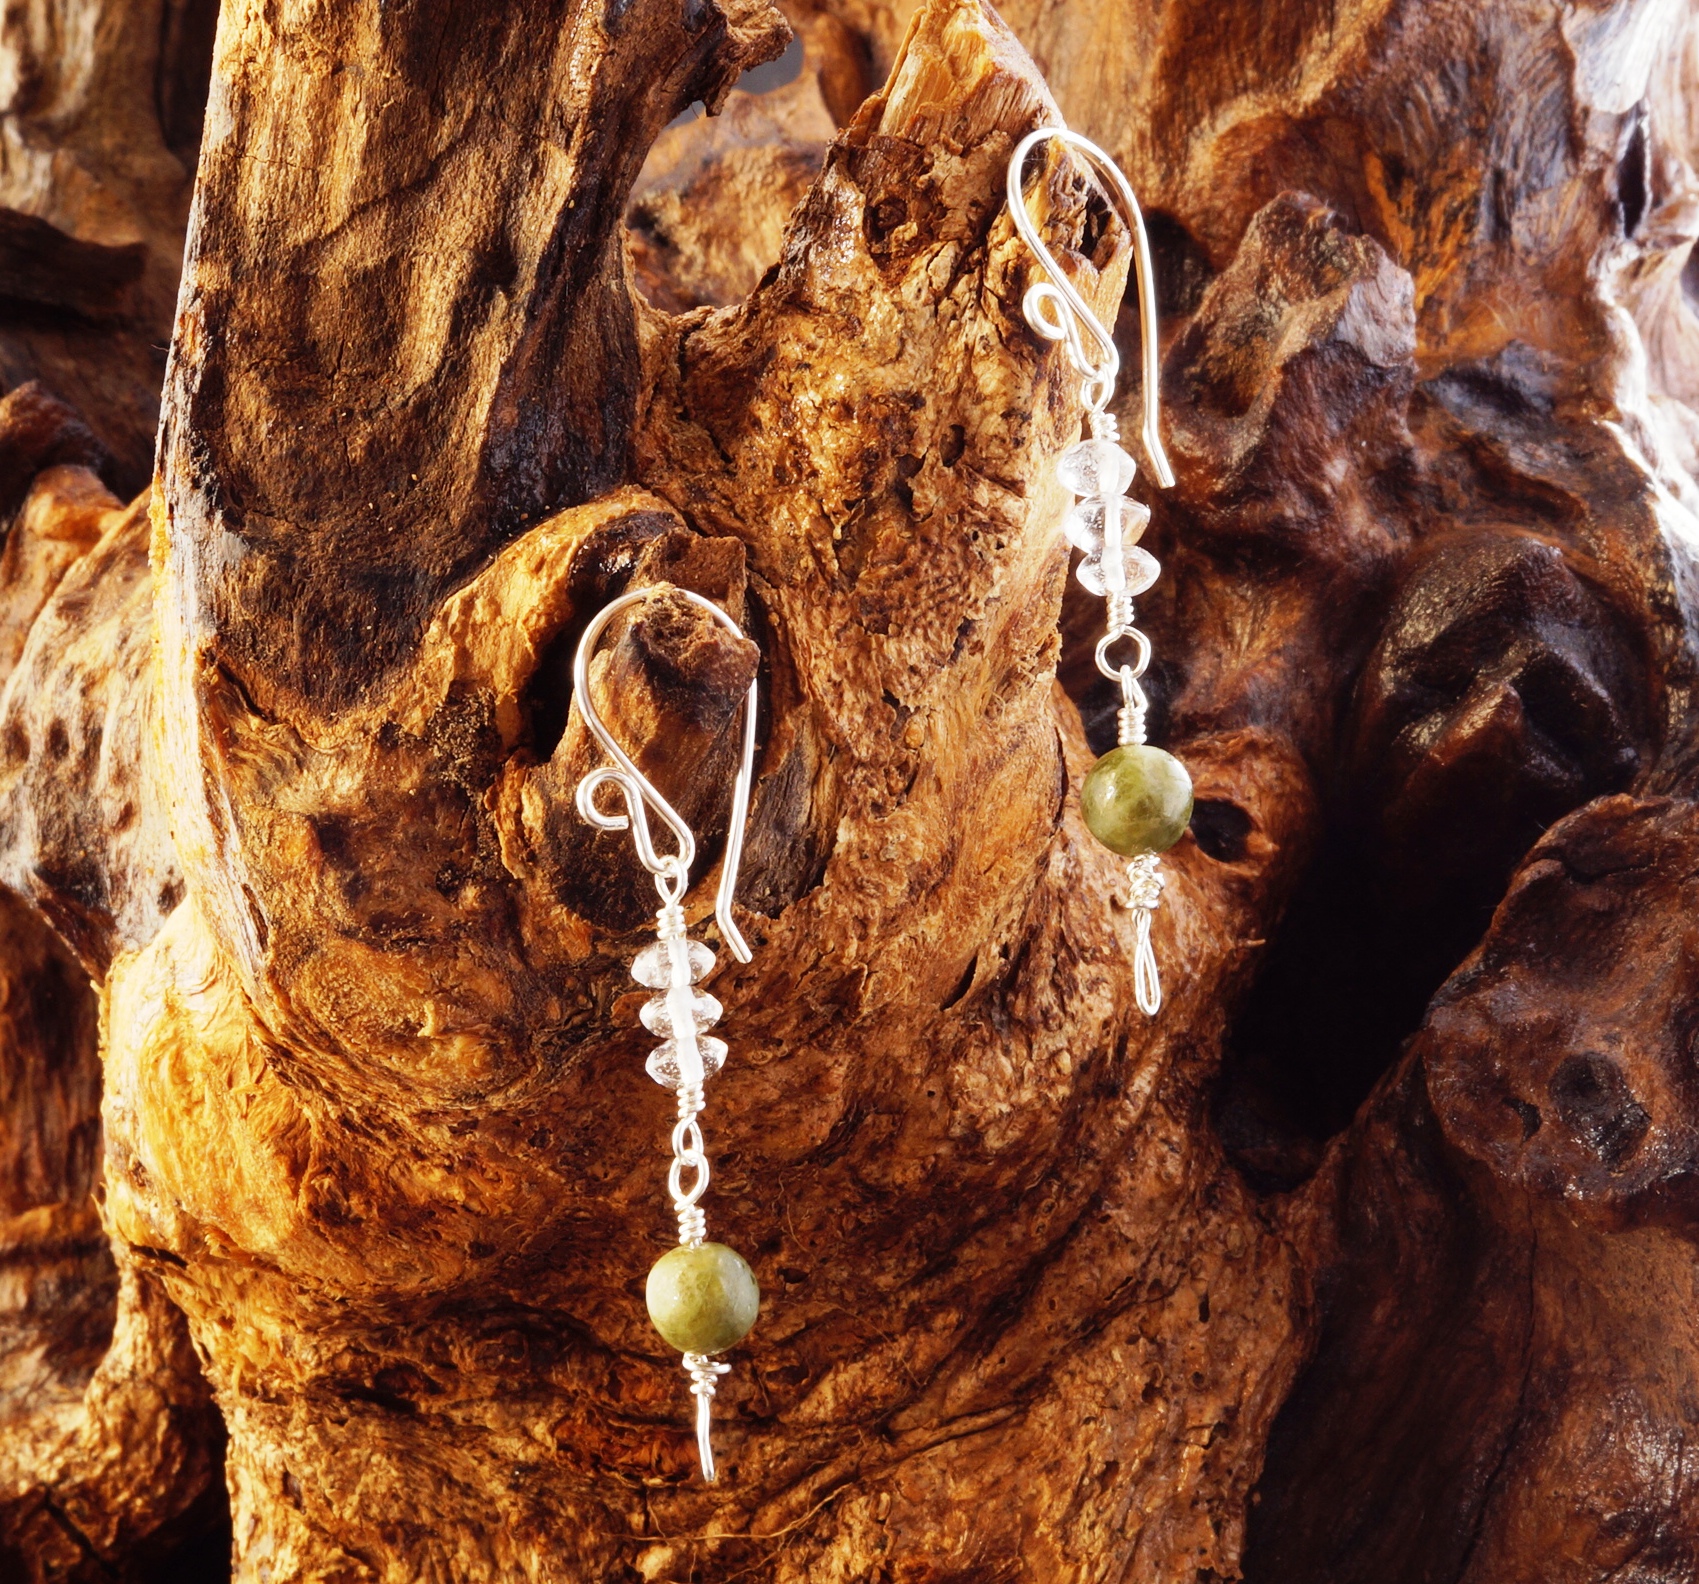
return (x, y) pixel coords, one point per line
(42, 268)
(186, 32)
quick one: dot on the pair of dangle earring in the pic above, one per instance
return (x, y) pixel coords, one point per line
(1136, 800)
(702, 1296)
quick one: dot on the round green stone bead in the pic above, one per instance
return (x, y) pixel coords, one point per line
(1137, 799)
(702, 1300)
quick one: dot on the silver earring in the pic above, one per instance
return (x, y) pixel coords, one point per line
(702, 1296)
(1137, 800)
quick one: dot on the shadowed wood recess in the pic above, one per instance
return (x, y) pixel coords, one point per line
(329, 1170)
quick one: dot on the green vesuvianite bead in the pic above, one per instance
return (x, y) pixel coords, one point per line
(702, 1300)
(1137, 799)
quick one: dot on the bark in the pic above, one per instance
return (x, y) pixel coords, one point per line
(1370, 1258)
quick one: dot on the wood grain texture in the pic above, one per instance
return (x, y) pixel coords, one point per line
(100, 119)
(1369, 1259)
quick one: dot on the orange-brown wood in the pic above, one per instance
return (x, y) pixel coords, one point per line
(328, 1158)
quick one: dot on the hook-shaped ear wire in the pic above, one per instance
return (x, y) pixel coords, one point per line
(671, 871)
(1057, 295)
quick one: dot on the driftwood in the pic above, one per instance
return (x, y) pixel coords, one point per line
(328, 1158)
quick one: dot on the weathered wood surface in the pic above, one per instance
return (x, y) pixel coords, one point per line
(1387, 1215)
(100, 115)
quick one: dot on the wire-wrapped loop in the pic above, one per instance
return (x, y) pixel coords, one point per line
(687, 1139)
(1136, 667)
(682, 1197)
(1130, 727)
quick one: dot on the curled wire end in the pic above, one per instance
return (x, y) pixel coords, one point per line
(1145, 895)
(1147, 982)
(593, 782)
(1047, 311)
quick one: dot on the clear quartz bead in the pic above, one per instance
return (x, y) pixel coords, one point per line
(657, 1014)
(1086, 525)
(652, 967)
(1096, 467)
(1139, 569)
(662, 1064)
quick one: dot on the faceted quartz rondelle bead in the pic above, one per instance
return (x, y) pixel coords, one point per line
(1087, 522)
(653, 965)
(664, 1064)
(1096, 467)
(656, 1014)
(1137, 799)
(1139, 569)
(702, 1300)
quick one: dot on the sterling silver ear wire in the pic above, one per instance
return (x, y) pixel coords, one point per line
(1137, 800)
(702, 1296)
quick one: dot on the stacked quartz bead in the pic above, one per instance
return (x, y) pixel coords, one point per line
(702, 1296)
(1105, 524)
(1137, 800)
(681, 1014)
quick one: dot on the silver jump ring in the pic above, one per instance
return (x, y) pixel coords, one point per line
(1109, 639)
(675, 1181)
